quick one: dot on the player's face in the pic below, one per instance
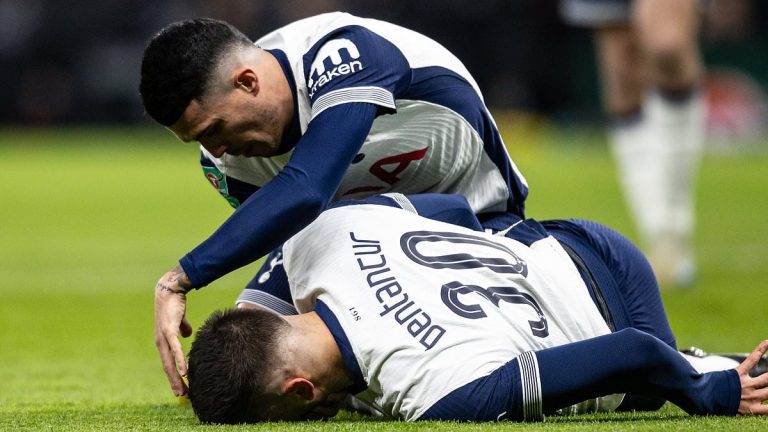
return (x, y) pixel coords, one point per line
(291, 408)
(326, 406)
(234, 122)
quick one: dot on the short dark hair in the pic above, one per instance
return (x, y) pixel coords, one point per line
(178, 63)
(230, 363)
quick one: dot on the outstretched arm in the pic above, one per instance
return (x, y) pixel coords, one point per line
(628, 361)
(344, 107)
(631, 361)
(269, 217)
(290, 201)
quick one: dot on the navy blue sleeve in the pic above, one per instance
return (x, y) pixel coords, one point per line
(290, 201)
(628, 361)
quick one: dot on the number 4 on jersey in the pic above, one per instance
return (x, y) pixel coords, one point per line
(401, 162)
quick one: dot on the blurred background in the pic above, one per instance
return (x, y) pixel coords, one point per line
(98, 201)
(77, 61)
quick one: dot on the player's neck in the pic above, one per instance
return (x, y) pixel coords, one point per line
(316, 352)
(280, 87)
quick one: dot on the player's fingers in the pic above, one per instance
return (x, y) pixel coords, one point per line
(759, 395)
(185, 327)
(753, 358)
(759, 382)
(762, 348)
(762, 379)
(169, 367)
(757, 408)
(178, 353)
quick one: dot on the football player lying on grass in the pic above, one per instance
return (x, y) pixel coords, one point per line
(327, 108)
(426, 320)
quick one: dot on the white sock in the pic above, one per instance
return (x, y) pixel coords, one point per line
(678, 129)
(641, 175)
(710, 363)
(657, 158)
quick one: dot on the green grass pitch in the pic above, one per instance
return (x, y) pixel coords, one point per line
(91, 218)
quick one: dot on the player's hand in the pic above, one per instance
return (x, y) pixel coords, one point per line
(754, 391)
(170, 322)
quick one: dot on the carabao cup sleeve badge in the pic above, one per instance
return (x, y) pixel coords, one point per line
(219, 181)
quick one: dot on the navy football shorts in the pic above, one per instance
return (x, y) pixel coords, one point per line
(624, 280)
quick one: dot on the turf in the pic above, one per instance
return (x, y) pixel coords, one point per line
(91, 218)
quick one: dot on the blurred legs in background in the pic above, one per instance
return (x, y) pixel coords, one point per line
(651, 70)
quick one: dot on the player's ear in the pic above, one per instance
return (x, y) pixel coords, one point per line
(245, 78)
(300, 387)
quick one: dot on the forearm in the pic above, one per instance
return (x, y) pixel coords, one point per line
(290, 201)
(631, 361)
(276, 212)
(628, 361)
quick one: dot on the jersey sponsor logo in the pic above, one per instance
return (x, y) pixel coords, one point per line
(400, 162)
(391, 295)
(321, 73)
(219, 181)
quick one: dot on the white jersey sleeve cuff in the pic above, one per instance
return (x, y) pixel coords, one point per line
(531, 387)
(374, 95)
(266, 300)
(402, 201)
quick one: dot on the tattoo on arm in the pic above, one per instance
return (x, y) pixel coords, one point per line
(166, 288)
(180, 277)
(177, 277)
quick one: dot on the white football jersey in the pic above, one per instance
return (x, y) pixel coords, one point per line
(428, 307)
(437, 136)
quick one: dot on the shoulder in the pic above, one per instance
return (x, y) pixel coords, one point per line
(305, 34)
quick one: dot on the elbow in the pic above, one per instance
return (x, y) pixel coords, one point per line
(309, 196)
(647, 350)
(313, 202)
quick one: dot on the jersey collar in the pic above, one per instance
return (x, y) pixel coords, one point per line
(347, 355)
